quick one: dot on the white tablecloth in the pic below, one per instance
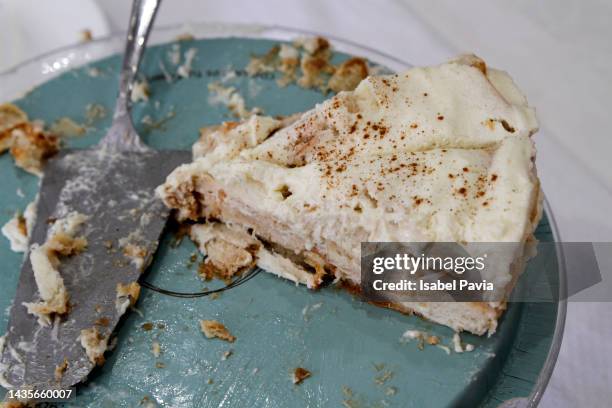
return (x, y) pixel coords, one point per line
(559, 52)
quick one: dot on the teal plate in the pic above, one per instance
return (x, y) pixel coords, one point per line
(351, 348)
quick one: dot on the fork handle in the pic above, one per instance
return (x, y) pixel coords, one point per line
(122, 136)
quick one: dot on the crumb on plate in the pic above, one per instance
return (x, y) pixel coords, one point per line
(60, 370)
(127, 295)
(213, 328)
(300, 374)
(95, 344)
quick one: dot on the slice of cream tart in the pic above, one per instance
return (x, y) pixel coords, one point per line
(434, 154)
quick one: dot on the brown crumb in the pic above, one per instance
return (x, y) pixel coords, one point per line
(225, 260)
(156, 349)
(384, 377)
(132, 290)
(65, 244)
(313, 58)
(134, 252)
(507, 126)
(95, 344)
(433, 340)
(31, 146)
(148, 326)
(60, 370)
(227, 354)
(348, 75)
(66, 127)
(11, 117)
(85, 35)
(300, 374)
(185, 37)
(213, 328)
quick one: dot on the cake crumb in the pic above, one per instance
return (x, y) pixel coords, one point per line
(45, 259)
(213, 328)
(95, 344)
(17, 230)
(156, 349)
(460, 347)
(157, 124)
(384, 377)
(299, 375)
(127, 295)
(226, 355)
(414, 334)
(94, 112)
(85, 35)
(424, 338)
(141, 91)
(28, 142)
(185, 37)
(264, 63)
(232, 99)
(93, 72)
(311, 57)
(308, 310)
(184, 70)
(433, 340)
(60, 370)
(136, 253)
(31, 146)
(348, 75)
(147, 403)
(66, 127)
(174, 54)
(11, 117)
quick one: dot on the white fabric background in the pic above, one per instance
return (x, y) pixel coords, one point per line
(559, 52)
